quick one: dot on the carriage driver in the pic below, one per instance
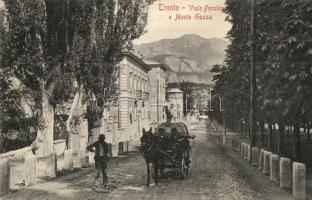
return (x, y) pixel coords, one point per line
(100, 158)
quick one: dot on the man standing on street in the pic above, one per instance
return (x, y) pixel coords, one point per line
(100, 158)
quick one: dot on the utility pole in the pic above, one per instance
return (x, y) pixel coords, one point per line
(252, 119)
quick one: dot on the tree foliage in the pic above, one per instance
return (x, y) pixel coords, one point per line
(283, 62)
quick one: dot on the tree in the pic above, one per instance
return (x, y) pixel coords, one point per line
(68, 49)
(283, 47)
(36, 58)
(104, 30)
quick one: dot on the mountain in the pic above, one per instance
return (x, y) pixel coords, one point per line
(189, 57)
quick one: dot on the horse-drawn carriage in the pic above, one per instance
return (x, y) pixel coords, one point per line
(177, 146)
(168, 147)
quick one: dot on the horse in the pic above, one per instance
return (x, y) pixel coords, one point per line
(152, 150)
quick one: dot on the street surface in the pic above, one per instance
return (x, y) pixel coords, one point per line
(216, 173)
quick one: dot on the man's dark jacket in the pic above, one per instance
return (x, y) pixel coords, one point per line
(97, 156)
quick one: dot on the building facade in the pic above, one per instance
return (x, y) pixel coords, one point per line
(133, 95)
(175, 104)
(157, 95)
(123, 121)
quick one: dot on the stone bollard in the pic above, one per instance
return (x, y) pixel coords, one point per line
(51, 165)
(274, 168)
(4, 176)
(255, 157)
(17, 169)
(242, 152)
(285, 173)
(249, 153)
(261, 160)
(30, 169)
(266, 163)
(68, 160)
(91, 158)
(299, 181)
(239, 147)
(246, 152)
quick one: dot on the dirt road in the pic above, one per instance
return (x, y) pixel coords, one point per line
(216, 173)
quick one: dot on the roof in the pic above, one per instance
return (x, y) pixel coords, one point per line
(174, 90)
(137, 60)
(180, 126)
(155, 64)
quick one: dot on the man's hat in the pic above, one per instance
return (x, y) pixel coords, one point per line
(102, 136)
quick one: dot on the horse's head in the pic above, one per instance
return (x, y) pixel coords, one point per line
(147, 140)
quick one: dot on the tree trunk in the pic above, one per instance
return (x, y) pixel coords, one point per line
(274, 129)
(308, 132)
(281, 129)
(45, 131)
(76, 115)
(262, 133)
(297, 141)
(270, 136)
(1, 142)
(249, 131)
(242, 129)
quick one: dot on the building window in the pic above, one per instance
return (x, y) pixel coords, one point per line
(142, 84)
(134, 83)
(130, 81)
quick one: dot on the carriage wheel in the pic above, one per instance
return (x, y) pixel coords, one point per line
(184, 167)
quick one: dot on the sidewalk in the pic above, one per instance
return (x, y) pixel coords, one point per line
(233, 134)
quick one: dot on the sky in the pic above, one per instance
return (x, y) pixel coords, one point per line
(160, 27)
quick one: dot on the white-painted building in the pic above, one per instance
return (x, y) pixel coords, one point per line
(175, 104)
(157, 95)
(123, 122)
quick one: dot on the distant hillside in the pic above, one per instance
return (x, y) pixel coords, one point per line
(189, 57)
